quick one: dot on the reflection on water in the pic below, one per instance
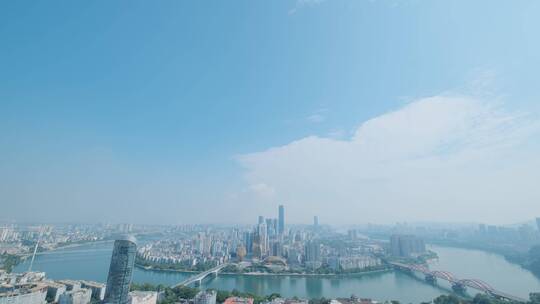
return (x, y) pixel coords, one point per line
(488, 267)
(91, 262)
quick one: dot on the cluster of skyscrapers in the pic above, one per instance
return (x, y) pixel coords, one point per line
(267, 237)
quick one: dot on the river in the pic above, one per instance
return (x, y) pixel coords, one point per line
(91, 262)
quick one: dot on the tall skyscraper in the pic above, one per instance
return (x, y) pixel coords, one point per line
(262, 232)
(261, 219)
(121, 270)
(313, 254)
(538, 223)
(248, 241)
(281, 220)
(269, 227)
(316, 222)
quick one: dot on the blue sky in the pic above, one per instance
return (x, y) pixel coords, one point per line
(151, 106)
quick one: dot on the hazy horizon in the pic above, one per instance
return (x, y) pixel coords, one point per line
(196, 112)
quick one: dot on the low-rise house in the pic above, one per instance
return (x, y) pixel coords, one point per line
(238, 300)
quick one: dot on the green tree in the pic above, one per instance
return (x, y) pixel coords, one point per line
(446, 299)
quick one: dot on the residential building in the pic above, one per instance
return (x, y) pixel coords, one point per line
(406, 245)
(79, 296)
(71, 285)
(98, 289)
(24, 294)
(281, 220)
(54, 290)
(313, 254)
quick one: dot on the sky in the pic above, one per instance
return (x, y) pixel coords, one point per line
(183, 112)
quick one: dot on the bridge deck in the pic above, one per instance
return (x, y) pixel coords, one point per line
(200, 276)
(426, 271)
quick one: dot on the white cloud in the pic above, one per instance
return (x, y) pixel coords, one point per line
(317, 116)
(262, 190)
(438, 158)
(299, 4)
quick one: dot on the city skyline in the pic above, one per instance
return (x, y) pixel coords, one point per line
(191, 112)
(269, 152)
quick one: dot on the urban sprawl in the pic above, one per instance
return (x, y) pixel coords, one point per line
(267, 247)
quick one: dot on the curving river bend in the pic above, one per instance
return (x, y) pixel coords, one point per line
(91, 262)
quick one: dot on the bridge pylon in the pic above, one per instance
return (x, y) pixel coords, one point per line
(459, 288)
(431, 278)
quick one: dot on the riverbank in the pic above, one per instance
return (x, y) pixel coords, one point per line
(182, 293)
(266, 274)
(9, 261)
(75, 245)
(92, 263)
(16, 259)
(311, 274)
(528, 260)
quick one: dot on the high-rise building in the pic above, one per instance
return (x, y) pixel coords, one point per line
(241, 252)
(54, 290)
(293, 256)
(26, 293)
(316, 221)
(98, 289)
(482, 228)
(281, 220)
(406, 245)
(71, 285)
(538, 223)
(313, 254)
(78, 296)
(261, 219)
(248, 241)
(121, 271)
(269, 227)
(263, 238)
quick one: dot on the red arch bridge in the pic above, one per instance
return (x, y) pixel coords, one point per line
(457, 284)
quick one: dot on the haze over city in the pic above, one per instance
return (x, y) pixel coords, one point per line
(269, 152)
(183, 112)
